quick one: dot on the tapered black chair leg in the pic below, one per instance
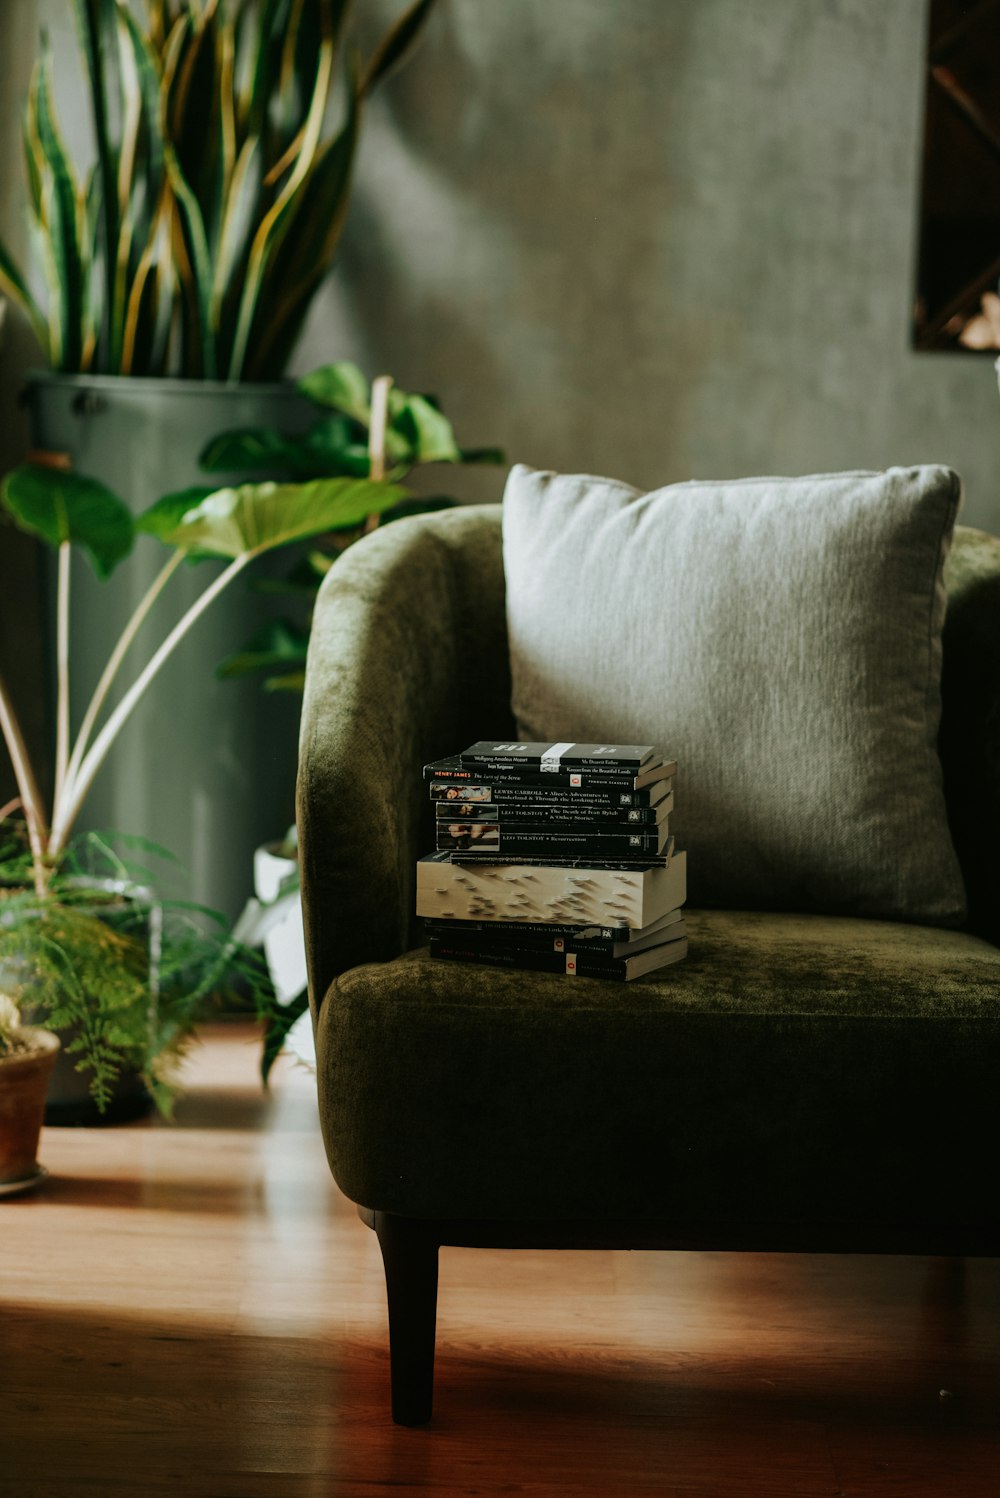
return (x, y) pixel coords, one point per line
(410, 1257)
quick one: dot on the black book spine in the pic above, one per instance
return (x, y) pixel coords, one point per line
(558, 816)
(603, 778)
(619, 761)
(502, 794)
(547, 933)
(539, 844)
(571, 861)
(527, 941)
(526, 957)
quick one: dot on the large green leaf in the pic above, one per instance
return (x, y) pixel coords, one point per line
(343, 386)
(58, 506)
(426, 430)
(258, 517)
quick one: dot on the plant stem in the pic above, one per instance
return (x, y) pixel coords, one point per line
(376, 436)
(27, 785)
(62, 668)
(96, 755)
(108, 675)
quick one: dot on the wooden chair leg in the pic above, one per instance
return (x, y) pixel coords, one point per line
(410, 1257)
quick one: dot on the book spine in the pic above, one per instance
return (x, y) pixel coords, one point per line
(570, 861)
(553, 764)
(533, 958)
(492, 774)
(548, 844)
(526, 816)
(528, 941)
(506, 792)
(547, 933)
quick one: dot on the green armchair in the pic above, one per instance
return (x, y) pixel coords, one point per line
(800, 1082)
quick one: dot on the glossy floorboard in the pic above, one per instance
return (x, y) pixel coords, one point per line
(195, 1311)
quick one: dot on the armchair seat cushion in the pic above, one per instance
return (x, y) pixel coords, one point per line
(794, 1067)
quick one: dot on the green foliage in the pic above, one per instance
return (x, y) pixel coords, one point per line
(338, 443)
(59, 506)
(258, 517)
(124, 979)
(196, 242)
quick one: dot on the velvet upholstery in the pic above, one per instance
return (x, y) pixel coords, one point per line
(794, 1065)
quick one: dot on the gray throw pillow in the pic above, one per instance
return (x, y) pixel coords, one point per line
(780, 638)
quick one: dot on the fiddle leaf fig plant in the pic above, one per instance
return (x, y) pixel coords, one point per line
(196, 241)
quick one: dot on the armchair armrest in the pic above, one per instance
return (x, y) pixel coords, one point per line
(407, 663)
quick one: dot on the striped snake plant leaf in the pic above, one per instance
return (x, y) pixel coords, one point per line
(307, 250)
(96, 22)
(61, 218)
(13, 283)
(276, 221)
(195, 263)
(232, 249)
(255, 518)
(58, 506)
(395, 44)
(144, 325)
(140, 73)
(192, 109)
(264, 66)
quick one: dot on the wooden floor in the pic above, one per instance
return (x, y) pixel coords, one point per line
(194, 1310)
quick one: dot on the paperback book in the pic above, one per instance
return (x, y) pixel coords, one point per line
(474, 840)
(509, 773)
(552, 757)
(574, 816)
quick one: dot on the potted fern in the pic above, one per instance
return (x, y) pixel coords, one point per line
(172, 279)
(79, 954)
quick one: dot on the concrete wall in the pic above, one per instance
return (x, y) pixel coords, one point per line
(659, 239)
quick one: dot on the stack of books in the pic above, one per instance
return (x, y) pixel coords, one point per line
(556, 857)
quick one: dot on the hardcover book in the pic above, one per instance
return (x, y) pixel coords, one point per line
(574, 893)
(579, 964)
(612, 941)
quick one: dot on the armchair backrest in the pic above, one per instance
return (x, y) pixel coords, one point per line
(970, 722)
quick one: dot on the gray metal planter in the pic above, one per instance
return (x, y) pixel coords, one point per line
(204, 768)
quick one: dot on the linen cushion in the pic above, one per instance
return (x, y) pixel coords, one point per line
(779, 637)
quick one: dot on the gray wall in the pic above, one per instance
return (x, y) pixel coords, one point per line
(659, 239)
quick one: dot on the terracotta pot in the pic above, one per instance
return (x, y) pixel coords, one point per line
(24, 1081)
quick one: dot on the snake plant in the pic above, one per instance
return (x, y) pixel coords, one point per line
(195, 243)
